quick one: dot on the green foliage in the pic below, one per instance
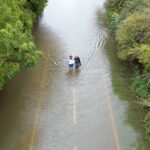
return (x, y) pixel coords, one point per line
(115, 5)
(7, 71)
(131, 7)
(147, 129)
(36, 5)
(112, 20)
(129, 20)
(134, 30)
(140, 52)
(141, 85)
(114, 8)
(133, 37)
(17, 48)
(123, 9)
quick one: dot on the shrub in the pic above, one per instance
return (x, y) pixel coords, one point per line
(133, 38)
(147, 129)
(17, 47)
(115, 5)
(129, 20)
(141, 85)
(36, 5)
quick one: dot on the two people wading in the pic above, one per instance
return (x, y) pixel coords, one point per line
(74, 62)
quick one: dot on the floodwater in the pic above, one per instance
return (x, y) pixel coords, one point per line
(50, 108)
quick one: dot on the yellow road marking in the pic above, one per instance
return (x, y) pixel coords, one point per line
(114, 126)
(113, 122)
(37, 114)
(112, 119)
(75, 148)
(74, 108)
(111, 115)
(74, 103)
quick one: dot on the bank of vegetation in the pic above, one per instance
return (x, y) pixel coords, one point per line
(129, 21)
(17, 47)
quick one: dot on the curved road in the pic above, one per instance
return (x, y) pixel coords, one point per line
(51, 108)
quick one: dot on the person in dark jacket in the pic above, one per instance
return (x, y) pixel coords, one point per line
(77, 62)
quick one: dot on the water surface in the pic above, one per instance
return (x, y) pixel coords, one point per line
(51, 108)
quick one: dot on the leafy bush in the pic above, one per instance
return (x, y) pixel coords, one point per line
(114, 8)
(131, 7)
(115, 5)
(132, 36)
(112, 20)
(141, 85)
(17, 48)
(139, 52)
(129, 20)
(147, 129)
(36, 5)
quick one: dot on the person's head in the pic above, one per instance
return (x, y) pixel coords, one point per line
(70, 56)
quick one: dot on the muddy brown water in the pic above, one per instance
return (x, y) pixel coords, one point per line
(50, 108)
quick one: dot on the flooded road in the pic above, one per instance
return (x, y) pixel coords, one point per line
(51, 108)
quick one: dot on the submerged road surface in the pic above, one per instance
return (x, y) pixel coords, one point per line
(51, 108)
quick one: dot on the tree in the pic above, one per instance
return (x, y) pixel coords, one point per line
(17, 47)
(133, 37)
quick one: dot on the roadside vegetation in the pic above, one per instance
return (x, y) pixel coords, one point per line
(17, 47)
(129, 21)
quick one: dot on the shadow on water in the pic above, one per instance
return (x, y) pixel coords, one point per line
(121, 81)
